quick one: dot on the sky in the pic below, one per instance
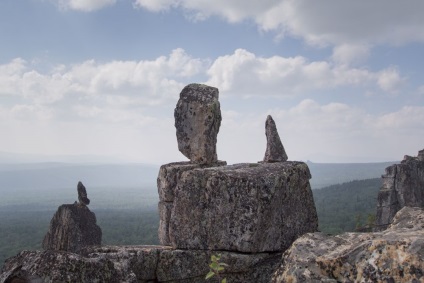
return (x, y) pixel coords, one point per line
(343, 80)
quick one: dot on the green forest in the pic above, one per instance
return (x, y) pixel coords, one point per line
(134, 221)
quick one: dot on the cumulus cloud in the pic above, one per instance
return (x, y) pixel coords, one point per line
(247, 74)
(322, 23)
(148, 81)
(350, 53)
(390, 80)
(85, 5)
(326, 132)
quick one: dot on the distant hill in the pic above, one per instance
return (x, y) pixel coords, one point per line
(342, 207)
(50, 175)
(326, 174)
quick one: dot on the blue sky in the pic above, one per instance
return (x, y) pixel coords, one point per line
(343, 79)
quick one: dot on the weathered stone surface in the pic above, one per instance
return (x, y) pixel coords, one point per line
(274, 147)
(403, 185)
(167, 180)
(394, 255)
(243, 207)
(82, 194)
(72, 227)
(135, 264)
(197, 120)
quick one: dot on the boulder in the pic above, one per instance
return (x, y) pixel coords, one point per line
(135, 264)
(197, 121)
(244, 207)
(403, 185)
(274, 147)
(394, 255)
(72, 227)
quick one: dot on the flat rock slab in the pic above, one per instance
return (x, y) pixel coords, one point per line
(244, 207)
(394, 255)
(135, 264)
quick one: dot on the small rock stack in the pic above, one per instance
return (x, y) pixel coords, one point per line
(73, 226)
(249, 207)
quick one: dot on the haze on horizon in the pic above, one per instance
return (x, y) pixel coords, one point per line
(100, 78)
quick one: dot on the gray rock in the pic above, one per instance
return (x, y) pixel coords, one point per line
(72, 227)
(168, 176)
(82, 194)
(403, 185)
(135, 264)
(274, 148)
(197, 121)
(244, 207)
(394, 255)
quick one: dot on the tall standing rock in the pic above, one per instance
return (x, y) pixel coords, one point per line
(274, 147)
(197, 121)
(403, 185)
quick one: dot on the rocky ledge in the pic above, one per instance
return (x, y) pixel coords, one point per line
(134, 264)
(394, 255)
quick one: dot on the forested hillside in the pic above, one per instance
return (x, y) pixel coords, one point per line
(346, 206)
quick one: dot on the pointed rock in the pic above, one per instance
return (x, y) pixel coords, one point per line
(274, 148)
(82, 194)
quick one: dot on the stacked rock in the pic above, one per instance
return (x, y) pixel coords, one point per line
(73, 226)
(248, 207)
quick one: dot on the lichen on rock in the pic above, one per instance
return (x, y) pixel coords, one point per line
(394, 255)
(197, 121)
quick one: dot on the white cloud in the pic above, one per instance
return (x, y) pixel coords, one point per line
(144, 82)
(350, 53)
(327, 22)
(85, 5)
(390, 80)
(325, 132)
(245, 73)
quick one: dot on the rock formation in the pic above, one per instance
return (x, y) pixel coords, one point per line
(254, 214)
(394, 255)
(73, 226)
(82, 194)
(244, 207)
(403, 185)
(135, 264)
(197, 120)
(274, 148)
(168, 177)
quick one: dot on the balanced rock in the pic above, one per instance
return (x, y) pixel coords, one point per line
(244, 207)
(197, 121)
(394, 255)
(403, 185)
(274, 147)
(82, 194)
(72, 227)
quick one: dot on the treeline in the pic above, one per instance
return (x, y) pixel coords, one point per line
(348, 206)
(340, 208)
(25, 230)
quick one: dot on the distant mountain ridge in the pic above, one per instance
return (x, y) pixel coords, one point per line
(50, 175)
(60, 175)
